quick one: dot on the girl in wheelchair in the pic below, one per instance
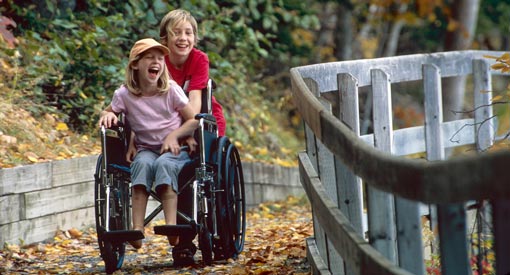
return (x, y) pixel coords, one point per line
(159, 115)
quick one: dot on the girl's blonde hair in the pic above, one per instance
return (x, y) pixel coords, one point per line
(174, 18)
(133, 83)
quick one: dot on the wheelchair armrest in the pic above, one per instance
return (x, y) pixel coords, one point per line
(205, 116)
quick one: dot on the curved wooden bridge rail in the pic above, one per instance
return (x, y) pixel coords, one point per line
(338, 159)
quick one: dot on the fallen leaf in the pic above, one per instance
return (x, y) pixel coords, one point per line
(75, 233)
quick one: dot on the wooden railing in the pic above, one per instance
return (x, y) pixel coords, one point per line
(339, 161)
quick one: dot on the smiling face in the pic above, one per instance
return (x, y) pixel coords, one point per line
(149, 67)
(181, 40)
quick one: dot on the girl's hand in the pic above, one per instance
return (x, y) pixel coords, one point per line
(108, 119)
(171, 144)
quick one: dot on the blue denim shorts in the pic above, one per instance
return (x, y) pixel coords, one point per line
(151, 169)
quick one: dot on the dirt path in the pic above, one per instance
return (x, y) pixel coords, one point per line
(275, 244)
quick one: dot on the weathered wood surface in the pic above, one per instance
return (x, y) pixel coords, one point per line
(376, 158)
(400, 68)
(381, 205)
(361, 257)
(454, 180)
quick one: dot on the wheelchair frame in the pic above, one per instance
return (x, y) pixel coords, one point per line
(217, 188)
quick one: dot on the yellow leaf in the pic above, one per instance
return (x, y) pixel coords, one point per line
(505, 56)
(263, 151)
(498, 97)
(61, 126)
(82, 95)
(498, 66)
(32, 157)
(491, 257)
(452, 26)
(75, 233)
(491, 56)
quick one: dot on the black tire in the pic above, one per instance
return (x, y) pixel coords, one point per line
(112, 253)
(236, 200)
(223, 245)
(231, 205)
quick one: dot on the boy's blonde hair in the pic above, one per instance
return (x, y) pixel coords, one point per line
(138, 50)
(174, 18)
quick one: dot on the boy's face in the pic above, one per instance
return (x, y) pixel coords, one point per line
(150, 66)
(182, 40)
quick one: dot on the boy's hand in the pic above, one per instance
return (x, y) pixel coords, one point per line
(192, 144)
(130, 155)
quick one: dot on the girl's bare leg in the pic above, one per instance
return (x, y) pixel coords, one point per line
(169, 201)
(139, 201)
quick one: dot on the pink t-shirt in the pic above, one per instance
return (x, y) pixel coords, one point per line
(195, 71)
(152, 118)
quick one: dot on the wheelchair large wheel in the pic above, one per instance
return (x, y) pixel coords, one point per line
(111, 252)
(231, 205)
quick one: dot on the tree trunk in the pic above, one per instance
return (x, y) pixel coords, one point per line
(344, 37)
(465, 13)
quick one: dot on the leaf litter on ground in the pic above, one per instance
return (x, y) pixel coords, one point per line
(275, 244)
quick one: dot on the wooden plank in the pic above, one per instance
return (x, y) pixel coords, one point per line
(308, 106)
(482, 104)
(408, 141)
(58, 199)
(350, 197)
(318, 267)
(11, 208)
(327, 175)
(25, 178)
(381, 208)
(433, 112)
(451, 217)
(320, 236)
(74, 170)
(486, 128)
(353, 248)
(450, 64)
(44, 228)
(453, 244)
(409, 236)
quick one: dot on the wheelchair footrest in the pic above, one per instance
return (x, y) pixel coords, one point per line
(123, 235)
(175, 230)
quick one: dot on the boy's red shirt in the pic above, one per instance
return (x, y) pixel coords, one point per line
(196, 71)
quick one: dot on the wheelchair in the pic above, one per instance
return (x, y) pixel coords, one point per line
(211, 195)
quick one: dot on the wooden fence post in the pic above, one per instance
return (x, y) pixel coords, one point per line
(349, 185)
(381, 213)
(452, 217)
